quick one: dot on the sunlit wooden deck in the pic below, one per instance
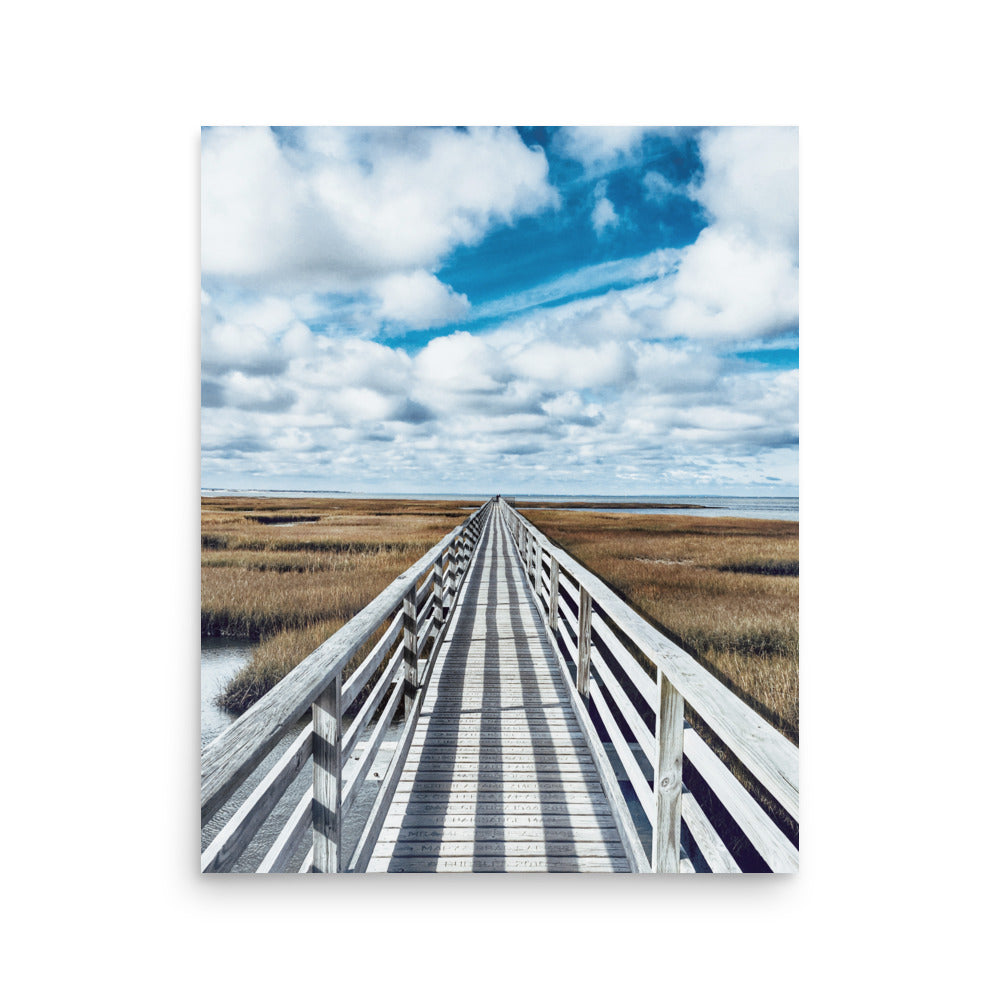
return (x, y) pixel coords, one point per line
(537, 724)
(499, 776)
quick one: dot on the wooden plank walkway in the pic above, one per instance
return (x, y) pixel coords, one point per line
(499, 777)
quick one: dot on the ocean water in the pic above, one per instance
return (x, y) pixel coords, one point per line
(771, 508)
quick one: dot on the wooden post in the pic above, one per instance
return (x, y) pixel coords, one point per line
(409, 650)
(554, 595)
(667, 778)
(538, 568)
(328, 773)
(583, 646)
(438, 596)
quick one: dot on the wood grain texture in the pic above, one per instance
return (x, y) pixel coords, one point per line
(507, 658)
(772, 845)
(767, 754)
(667, 779)
(583, 647)
(233, 838)
(499, 776)
(328, 777)
(285, 844)
(237, 751)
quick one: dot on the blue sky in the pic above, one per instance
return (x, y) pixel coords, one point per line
(553, 310)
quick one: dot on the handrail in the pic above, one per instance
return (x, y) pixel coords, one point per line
(653, 759)
(415, 608)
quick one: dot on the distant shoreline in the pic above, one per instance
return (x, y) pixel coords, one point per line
(705, 505)
(584, 505)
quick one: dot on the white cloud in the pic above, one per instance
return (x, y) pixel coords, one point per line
(565, 366)
(604, 215)
(459, 363)
(266, 395)
(600, 146)
(229, 347)
(751, 183)
(419, 300)
(352, 361)
(656, 188)
(632, 385)
(732, 288)
(344, 207)
(739, 280)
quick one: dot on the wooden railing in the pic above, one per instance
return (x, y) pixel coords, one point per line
(405, 623)
(602, 641)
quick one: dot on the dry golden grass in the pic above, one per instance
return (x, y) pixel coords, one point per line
(725, 588)
(291, 572)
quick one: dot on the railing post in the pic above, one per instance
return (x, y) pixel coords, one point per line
(667, 778)
(583, 646)
(438, 596)
(538, 568)
(409, 650)
(554, 594)
(328, 773)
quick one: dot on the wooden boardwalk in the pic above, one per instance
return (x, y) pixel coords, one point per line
(543, 730)
(499, 777)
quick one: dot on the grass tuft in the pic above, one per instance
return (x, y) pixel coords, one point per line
(775, 567)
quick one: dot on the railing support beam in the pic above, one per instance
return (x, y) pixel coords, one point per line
(328, 774)
(438, 596)
(409, 650)
(583, 646)
(554, 595)
(668, 778)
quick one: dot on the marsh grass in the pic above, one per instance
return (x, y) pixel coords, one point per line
(723, 588)
(290, 573)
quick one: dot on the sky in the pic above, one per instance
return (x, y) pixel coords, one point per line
(517, 310)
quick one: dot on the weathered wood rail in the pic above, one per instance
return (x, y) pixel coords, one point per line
(554, 731)
(404, 624)
(601, 640)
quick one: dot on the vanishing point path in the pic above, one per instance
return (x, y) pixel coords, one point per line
(499, 776)
(543, 730)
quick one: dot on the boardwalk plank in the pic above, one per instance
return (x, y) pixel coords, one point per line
(474, 864)
(499, 776)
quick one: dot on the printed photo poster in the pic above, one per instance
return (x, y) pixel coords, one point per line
(499, 499)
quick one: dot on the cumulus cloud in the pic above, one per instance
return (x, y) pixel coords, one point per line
(739, 279)
(419, 300)
(460, 363)
(573, 366)
(751, 183)
(228, 347)
(341, 207)
(730, 287)
(599, 146)
(641, 386)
